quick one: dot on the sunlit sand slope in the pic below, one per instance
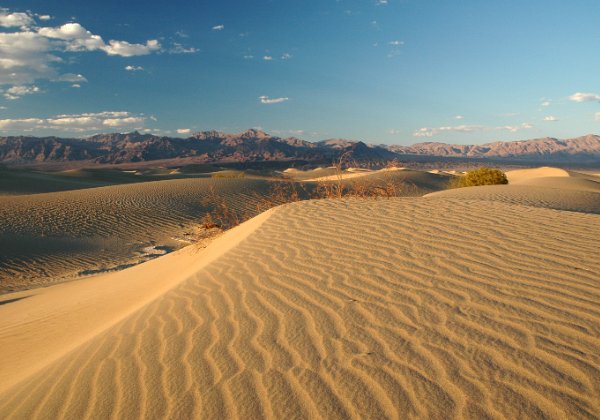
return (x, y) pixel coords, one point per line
(400, 308)
(543, 187)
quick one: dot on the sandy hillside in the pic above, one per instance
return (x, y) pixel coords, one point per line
(56, 236)
(435, 307)
(60, 235)
(543, 187)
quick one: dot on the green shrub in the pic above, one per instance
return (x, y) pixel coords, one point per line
(481, 176)
(228, 174)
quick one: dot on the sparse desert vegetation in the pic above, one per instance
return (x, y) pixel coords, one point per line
(479, 177)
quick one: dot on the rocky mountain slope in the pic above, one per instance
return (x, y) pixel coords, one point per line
(255, 146)
(585, 148)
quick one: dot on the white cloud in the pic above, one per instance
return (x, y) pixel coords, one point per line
(515, 128)
(120, 122)
(76, 85)
(44, 17)
(19, 124)
(394, 131)
(431, 132)
(381, 2)
(286, 56)
(218, 27)
(550, 118)
(71, 78)
(15, 92)
(177, 48)
(459, 117)
(81, 123)
(134, 68)
(184, 131)
(11, 20)
(396, 43)
(125, 49)
(546, 103)
(267, 58)
(584, 97)
(248, 57)
(269, 101)
(34, 52)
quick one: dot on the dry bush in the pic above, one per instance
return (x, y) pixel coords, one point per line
(288, 191)
(222, 215)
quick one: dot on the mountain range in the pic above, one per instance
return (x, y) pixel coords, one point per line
(256, 146)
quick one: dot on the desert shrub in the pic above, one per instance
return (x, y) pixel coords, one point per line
(229, 174)
(481, 176)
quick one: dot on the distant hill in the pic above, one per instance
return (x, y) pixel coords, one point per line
(256, 146)
(580, 149)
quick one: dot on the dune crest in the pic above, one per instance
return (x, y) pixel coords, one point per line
(45, 324)
(523, 175)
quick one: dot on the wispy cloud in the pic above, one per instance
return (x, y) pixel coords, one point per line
(134, 68)
(550, 118)
(584, 97)
(184, 131)
(269, 101)
(431, 132)
(178, 48)
(268, 58)
(218, 27)
(381, 2)
(88, 122)
(15, 92)
(396, 43)
(287, 56)
(459, 117)
(597, 116)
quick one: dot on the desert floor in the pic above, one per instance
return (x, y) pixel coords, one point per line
(474, 303)
(54, 236)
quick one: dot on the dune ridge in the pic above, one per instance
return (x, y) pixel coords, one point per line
(41, 324)
(403, 308)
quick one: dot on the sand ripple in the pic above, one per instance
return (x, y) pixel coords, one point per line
(400, 308)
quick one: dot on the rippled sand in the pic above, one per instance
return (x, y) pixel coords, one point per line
(434, 307)
(61, 235)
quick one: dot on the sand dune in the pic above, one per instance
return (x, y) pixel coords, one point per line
(538, 188)
(351, 173)
(525, 175)
(61, 235)
(403, 308)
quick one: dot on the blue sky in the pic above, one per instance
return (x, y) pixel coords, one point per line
(395, 71)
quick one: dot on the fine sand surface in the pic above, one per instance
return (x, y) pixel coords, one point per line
(543, 187)
(349, 174)
(434, 307)
(51, 237)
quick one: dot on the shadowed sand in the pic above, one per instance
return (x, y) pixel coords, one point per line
(62, 235)
(435, 307)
